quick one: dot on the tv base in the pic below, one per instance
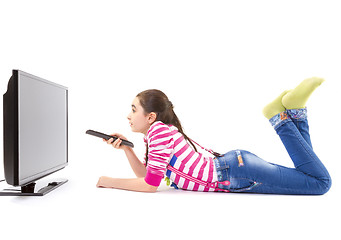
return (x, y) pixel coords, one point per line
(31, 190)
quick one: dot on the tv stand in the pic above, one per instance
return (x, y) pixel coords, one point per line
(30, 189)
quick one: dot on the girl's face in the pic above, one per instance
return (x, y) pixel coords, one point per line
(139, 120)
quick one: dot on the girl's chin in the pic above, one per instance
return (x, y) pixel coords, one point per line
(136, 131)
(133, 129)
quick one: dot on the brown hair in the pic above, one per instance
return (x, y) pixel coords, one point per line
(156, 101)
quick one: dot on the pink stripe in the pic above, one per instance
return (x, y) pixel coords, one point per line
(185, 158)
(196, 187)
(160, 136)
(178, 141)
(200, 174)
(185, 186)
(191, 178)
(182, 150)
(191, 169)
(210, 175)
(193, 166)
(160, 143)
(202, 169)
(177, 179)
(157, 164)
(174, 132)
(161, 129)
(162, 148)
(154, 126)
(183, 163)
(159, 156)
(186, 176)
(160, 151)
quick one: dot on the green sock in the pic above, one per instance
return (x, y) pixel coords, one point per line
(298, 97)
(275, 106)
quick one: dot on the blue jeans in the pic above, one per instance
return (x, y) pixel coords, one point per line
(248, 173)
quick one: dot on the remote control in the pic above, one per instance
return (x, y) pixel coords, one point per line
(107, 137)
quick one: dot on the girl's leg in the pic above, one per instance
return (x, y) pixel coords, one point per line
(249, 173)
(298, 143)
(299, 118)
(256, 175)
(296, 140)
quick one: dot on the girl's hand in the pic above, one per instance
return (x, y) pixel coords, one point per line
(117, 144)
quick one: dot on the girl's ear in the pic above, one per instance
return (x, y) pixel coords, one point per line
(151, 117)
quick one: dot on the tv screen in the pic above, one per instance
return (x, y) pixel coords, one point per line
(35, 128)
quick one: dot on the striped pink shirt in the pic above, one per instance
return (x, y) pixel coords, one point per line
(168, 146)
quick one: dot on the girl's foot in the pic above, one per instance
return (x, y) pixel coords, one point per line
(275, 107)
(298, 97)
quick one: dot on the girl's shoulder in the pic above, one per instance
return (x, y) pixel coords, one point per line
(160, 128)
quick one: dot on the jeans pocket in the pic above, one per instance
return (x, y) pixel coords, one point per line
(242, 184)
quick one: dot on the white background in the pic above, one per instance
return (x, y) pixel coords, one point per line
(219, 62)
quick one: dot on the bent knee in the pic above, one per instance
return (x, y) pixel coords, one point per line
(323, 186)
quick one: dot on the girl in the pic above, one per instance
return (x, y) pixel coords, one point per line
(170, 152)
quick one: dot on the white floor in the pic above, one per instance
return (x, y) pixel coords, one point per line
(79, 210)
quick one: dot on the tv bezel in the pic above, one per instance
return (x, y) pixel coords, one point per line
(11, 132)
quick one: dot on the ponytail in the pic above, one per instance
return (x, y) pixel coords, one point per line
(154, 100)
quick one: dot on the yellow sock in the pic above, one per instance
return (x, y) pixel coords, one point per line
(298, 97)
(275, 106)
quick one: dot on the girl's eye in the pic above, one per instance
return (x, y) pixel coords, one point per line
(133, 110)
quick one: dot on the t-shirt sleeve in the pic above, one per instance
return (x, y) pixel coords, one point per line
(160, 147)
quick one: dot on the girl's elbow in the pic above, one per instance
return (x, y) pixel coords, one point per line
(150, 188)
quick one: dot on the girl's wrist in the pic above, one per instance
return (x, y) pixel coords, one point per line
(126, 148)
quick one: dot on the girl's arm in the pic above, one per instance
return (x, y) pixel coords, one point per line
(134, 184)
(138, 167)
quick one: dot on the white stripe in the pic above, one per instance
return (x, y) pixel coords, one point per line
(181, 182)
(190, 185)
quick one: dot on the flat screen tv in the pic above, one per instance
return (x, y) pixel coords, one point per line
(35, 133)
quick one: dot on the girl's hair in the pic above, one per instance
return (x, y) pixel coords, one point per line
(156, 101)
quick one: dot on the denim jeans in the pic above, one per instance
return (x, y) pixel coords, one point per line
(248, 173)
